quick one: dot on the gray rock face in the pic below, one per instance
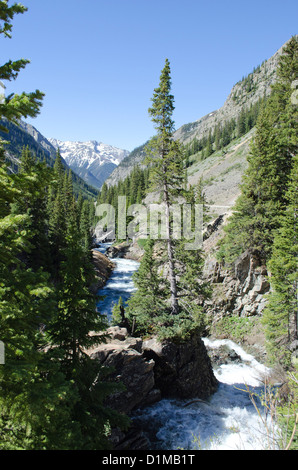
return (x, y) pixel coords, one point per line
(124, 355)
(181, 370)
(238, 290)
(150, 370)
(103, 267)
(241, 96)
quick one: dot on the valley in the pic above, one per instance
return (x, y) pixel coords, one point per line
(131, 337)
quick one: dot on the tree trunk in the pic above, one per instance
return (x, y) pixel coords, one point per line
(173, 282)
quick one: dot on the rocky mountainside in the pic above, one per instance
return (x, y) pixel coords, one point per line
(221, 174)
(93, 161)
(38, 137)
(244, 94)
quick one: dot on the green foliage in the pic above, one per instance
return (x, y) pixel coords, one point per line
(235, 327)
(117, 312)
(165, 157)
(147, 305)
(16, 106)
(287, 415)
(281, 314)
(52, 393)
(149, 309)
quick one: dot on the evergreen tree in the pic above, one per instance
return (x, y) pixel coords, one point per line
(167, 164)
(15, 106)
(241, 123)
(147, 309)
(70, 331)
(29, 393)
(154, 308)
(281, 314)
(34, 179)
(208, 148)
(85, 226)
(56, 213)
(118, 313)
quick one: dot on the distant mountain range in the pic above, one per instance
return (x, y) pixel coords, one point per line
(93, 161)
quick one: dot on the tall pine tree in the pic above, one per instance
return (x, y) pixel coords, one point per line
(167, 165)
(281, 314)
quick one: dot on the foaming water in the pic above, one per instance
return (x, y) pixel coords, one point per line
(227, 421)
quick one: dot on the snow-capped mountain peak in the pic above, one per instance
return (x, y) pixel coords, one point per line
(93, 161)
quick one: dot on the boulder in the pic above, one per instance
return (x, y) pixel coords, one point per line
(124, 355)
(181, 370)
(150, 370)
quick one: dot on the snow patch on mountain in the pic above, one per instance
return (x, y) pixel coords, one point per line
(93, 161)
(86, 153)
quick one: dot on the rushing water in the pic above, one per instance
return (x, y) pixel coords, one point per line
(120, 284)
(227, 421)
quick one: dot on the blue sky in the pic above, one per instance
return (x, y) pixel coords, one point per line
(98, 61)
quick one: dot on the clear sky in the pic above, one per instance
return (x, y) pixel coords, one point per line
(98, 61)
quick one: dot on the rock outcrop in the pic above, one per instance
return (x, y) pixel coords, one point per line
(150, 370)
(239, 289)
(124, 355)
(103, 268)
(130, 250)
(181, 370)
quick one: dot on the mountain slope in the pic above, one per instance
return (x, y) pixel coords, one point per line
(93, 161)
(26, 135)
(244, 94)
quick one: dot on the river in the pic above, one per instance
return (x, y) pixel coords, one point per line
(120, 283)
(228, 420)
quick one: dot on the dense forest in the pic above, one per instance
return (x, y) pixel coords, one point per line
(52, 394)
(49, 396)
